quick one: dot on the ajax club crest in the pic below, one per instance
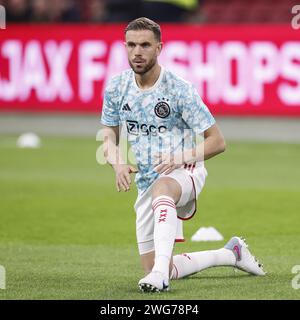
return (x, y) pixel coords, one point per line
(162, 109)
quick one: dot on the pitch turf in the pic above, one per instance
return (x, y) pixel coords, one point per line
(65, 233)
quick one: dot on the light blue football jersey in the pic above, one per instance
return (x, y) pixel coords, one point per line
(156, 119)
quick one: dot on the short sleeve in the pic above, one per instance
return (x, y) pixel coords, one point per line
(194, 111)
(110, 111)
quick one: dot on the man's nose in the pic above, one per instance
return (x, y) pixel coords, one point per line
(137, 50)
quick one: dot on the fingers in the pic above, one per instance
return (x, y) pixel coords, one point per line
(166, 159)
(166, 168)
(170, 169)
(127, 179)
(123, 178)
(123, 182)
(161, 168)
(121, 185)
(157, 159)
(132, 169)
(117, 185)
(162, 162)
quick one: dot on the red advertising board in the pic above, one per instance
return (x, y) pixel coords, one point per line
(238, 70)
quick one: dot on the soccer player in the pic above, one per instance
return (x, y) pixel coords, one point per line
(162, 115)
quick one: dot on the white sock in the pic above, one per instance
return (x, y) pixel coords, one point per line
(165, 225)
(188, 263)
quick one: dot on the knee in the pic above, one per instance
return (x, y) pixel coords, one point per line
(162, 186)
(168, 187)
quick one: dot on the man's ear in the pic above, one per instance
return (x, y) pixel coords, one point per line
(159, 48)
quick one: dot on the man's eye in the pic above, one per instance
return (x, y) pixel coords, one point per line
(131, 45)
(146, 45)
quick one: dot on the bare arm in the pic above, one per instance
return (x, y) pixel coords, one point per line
(213, 144)
(111, 138)
(113, 156)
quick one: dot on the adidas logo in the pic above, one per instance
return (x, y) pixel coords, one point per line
(126, 107)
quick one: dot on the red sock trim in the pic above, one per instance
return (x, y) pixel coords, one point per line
(163, 199)
(163, 204)
(166, 202)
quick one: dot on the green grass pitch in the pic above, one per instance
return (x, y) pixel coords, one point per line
(65, 233)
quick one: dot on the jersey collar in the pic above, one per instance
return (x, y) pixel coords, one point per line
(156, 84)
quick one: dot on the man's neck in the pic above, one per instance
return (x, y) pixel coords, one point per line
(147, 80)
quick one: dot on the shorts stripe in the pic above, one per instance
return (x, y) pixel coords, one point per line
(179, 240)
(195, 202)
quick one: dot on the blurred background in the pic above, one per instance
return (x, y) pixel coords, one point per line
(242, 56)
(60, 224)
(111, 11)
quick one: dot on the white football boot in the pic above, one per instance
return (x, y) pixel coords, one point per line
(244, 259)
(154, 282)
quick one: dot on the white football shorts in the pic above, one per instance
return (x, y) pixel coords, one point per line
(191, 179)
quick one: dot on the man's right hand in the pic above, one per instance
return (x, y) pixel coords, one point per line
(123, 179)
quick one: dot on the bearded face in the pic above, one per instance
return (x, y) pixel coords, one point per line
(142, 49)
